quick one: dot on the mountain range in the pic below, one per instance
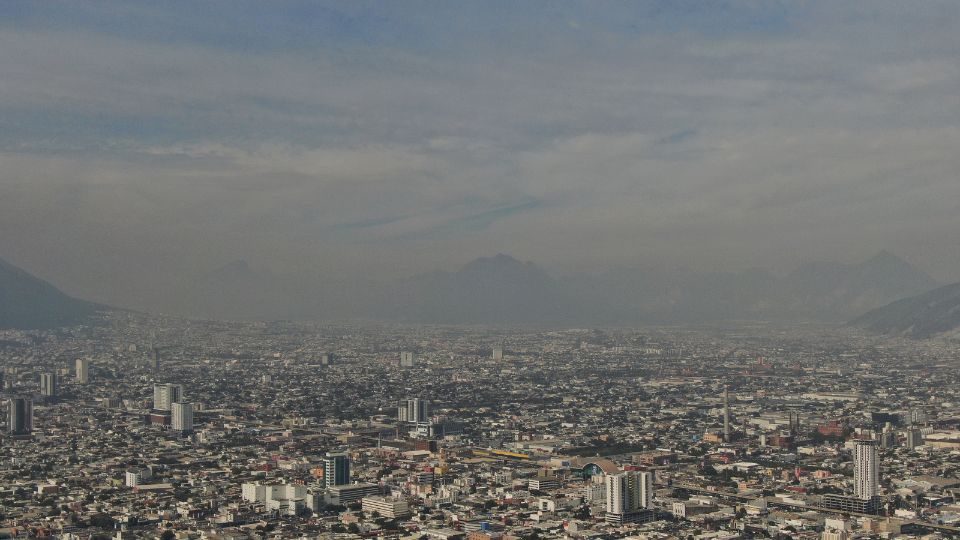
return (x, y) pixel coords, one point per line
(934, 313)
(504, 290)
(27, 302)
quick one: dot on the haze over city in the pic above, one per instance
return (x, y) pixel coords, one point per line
(147, 146)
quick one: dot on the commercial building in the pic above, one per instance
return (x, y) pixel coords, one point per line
(336, 470)
(346, 494)
(165, 395)
(181, 417)
(388, 507)
(19, 416)
(413, 410)
(83, 370)
(49, 385)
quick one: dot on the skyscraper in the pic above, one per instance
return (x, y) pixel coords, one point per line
(408, 359)
(49, 385)
(83, 370)
(645, 479)
(726, 414)
(497, 352)
(181, 416)
(629, 496)
(19, 416)
(336, 470)
(617, 494)
(866, 470)
(413, 410)
(165, 395)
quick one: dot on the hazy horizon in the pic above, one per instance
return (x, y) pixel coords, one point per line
(145, 146)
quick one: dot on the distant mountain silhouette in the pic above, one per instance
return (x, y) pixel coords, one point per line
(502, 289)
(826, 292)
(831, 291)
(27, 302)
(488, 290)
(235, 291)
(933, 313)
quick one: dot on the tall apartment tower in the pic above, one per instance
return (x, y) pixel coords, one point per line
(629, 496)
(336, 470)
(83, 370)
(165, 395)
(181, 417)
(408, 359)
(645, 479)
(497, 352)
(617, 493)
(49, 385)
(413, 410)
(866, 470)
(19, 416)
(726, 414)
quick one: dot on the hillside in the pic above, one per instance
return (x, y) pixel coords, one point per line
(27, 302)
(936, 312)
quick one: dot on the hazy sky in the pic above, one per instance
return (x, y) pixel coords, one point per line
(142, 144)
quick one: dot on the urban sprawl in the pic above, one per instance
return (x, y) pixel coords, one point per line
(152, 427)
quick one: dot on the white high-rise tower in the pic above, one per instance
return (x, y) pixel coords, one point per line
(866, 470)
(629, 494)
(726, 414)
(83, 370)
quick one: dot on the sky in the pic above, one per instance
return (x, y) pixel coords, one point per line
(144, 144)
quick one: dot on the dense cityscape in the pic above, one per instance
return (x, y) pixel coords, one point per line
(139, 427)
(479, 270)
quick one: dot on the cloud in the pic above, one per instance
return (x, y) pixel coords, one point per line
(146, 146)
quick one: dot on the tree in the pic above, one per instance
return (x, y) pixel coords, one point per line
(168, 535)
(102, 521)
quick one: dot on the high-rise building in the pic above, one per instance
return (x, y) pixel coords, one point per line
(155, 354)
(497, 353)
(645, 479)
(413, 410)
(866, 469)
(336, 470)
(726, 414)
(19, 416)
(327, 359)
(181, 416)
(914, 437)
(165, 395)
(408, 359)
(629, 496)
(83, 370)
(49, 385)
